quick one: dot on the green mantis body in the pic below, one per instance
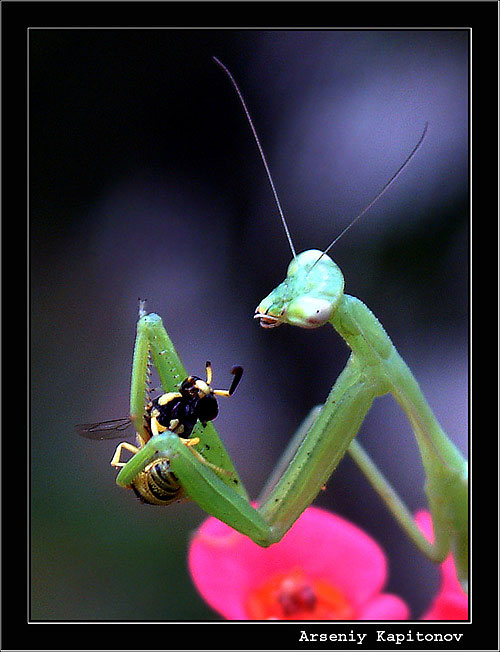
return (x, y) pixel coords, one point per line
(374, 368)
(310, 296)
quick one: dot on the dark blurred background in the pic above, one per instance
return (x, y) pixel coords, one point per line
(145, 182)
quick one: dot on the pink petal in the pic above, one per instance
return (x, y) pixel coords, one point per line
(215, 562)
(385, 607)
(226, 566)
(451, 603)
(449, 580)
(448, 606)
(424, 522)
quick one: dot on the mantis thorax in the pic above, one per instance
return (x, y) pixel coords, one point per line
(308, 296)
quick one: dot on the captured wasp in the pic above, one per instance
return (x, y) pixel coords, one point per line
(177, 412)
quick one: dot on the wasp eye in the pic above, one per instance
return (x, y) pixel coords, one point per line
(207, 409)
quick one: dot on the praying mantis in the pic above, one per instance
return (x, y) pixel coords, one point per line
(188, 460)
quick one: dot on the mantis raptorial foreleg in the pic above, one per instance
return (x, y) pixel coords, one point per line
(153, 344)
(372, 473)
(199, 467)
(209, 478)
(200, 483)
(204, 472)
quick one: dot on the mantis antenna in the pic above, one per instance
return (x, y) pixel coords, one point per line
(359, 216)
(377, 196)
(247, 113)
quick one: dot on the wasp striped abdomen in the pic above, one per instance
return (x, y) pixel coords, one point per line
(157, 485)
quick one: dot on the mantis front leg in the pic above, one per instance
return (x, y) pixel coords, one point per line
(200, 469)
(153, 344)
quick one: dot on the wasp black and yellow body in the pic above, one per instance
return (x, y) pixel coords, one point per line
(180, 411)
(176, 412)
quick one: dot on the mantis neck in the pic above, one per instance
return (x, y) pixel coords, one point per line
(379, 359)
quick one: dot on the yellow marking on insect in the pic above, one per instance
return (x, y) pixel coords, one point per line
(140, 440)
(155, 426)
(221, 392)
(176, 427)
(202, 387)
(166, 398)
(115, 461)
(208, 367)
(190, 442)
(196, 440)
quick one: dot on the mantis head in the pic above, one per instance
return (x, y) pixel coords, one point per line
(308, 296)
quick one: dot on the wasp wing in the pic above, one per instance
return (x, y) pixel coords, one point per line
(112, 429)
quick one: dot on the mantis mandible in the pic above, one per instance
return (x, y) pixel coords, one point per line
(198, 464)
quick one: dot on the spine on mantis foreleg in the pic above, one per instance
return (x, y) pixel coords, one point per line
(139, 380)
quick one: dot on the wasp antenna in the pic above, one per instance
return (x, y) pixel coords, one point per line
(237, 373)
(377, 196)
(208, 367)
(261, 151)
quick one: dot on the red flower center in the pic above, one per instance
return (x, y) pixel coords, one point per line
(293, 596)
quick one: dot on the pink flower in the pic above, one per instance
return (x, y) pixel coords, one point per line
(451, 602)
(324, 568)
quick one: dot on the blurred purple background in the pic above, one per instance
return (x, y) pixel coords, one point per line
(145, 182)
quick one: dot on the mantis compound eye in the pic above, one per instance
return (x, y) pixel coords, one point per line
(309, 312)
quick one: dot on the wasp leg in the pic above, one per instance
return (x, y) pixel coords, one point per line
(190, 442)
(154, 426)
(118, 453)
(196, 440)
